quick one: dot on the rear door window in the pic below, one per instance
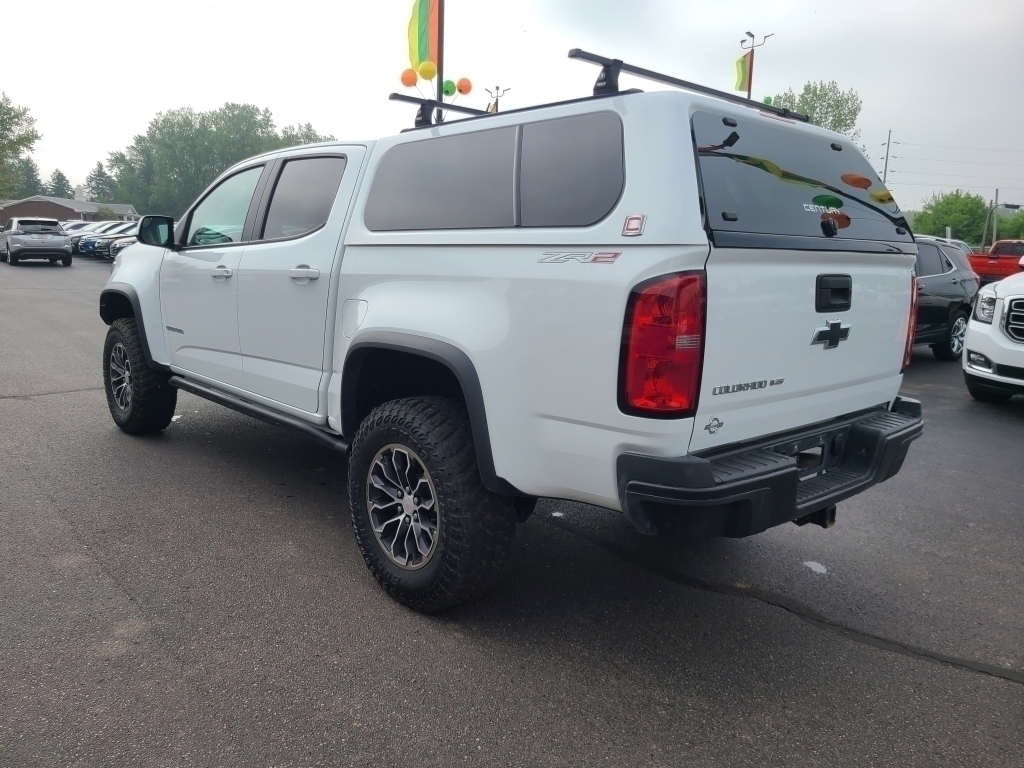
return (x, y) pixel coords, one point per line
(303, 196)
(765, 176)
(929, 260)
(1007, 249)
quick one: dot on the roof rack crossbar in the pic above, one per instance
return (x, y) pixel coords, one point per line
(608, 82)
(425, 115)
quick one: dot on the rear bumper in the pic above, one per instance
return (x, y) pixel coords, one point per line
(754, 487)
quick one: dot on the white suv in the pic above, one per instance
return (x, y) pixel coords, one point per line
(684, 306)
(994, 346)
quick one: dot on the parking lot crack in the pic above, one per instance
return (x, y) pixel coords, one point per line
(791, 605)
(50, 394)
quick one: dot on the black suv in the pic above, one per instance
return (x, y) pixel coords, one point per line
(946, 287)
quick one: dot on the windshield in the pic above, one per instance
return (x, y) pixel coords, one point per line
(766, 176)
(39, 225)
(1007, 249)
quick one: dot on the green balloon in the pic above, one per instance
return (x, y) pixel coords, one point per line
(449, 88)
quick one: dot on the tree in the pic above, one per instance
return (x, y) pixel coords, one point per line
(826, 106)
(59, 186)
(961, 211)
(103, 213)
(18, 136)
(297, 135)
(1011, 227)
(28, 183)
(99, 185)
(182, 151)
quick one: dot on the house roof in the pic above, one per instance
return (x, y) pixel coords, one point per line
(79, 206)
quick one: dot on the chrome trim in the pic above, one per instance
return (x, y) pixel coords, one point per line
(1013, 324)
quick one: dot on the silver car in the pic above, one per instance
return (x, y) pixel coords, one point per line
(35, 238)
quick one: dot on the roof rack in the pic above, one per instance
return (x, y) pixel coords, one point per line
(425, 114)
(608, 83)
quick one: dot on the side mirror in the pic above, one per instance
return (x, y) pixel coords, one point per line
(156, 230)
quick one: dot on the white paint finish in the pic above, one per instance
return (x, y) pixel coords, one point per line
(545, 339)
(991, 339)
(353, 312)
(139, 267)
(282, 321)
(205, 307)
(816, 567)
(760, 321)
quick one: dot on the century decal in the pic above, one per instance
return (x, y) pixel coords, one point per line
(728, 389)
(811, 208)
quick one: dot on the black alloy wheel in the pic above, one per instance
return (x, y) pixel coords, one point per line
(140, 399)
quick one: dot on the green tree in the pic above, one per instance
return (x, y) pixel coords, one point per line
(297, 135)
(99, 185)
(28, 183)
(826, 105)
(103, 213)
(961, 211)
(182, 151)
(59, 186)
(1010, 227)
(18, 136)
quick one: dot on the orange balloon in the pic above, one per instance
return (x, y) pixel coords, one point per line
(409, 78)
(464, 86)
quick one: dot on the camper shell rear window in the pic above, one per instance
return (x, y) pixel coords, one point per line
(765, 176)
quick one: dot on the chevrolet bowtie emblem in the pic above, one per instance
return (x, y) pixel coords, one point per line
(830, 336)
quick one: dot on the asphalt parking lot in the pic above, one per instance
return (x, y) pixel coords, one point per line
(196, 598)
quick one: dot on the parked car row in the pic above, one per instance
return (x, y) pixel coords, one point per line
(97, 238)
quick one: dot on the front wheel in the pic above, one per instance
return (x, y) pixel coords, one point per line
(429, 531)
(952, 347)
(140, 399)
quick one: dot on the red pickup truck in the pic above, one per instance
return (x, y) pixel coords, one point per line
(1002, 260)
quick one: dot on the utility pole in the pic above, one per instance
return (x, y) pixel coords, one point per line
(885, 171)
(749, 45)
(995, 219)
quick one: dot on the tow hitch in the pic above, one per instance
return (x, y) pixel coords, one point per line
(826, 517)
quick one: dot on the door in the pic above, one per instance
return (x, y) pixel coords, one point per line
(285, 277)
(198, 283)
(1004, 260)
(938, 293)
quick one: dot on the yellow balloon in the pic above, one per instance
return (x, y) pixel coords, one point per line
(428, 70)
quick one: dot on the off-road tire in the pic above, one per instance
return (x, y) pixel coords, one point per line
(475, 526)
(153, 400)
(66, 261)
(944, 351)
(985, 395)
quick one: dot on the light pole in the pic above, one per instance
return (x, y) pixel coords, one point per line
(749, 43)
(993, 214)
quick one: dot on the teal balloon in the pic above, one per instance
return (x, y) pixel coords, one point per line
(449, 88)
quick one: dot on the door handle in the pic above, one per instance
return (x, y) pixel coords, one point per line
(220, 271)
(304, 273)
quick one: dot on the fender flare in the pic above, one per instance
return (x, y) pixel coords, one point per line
(107, 315)
(451, 357)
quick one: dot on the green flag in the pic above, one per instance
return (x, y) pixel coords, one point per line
(743, 71)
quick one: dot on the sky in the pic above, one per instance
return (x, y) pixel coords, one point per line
(945, 76)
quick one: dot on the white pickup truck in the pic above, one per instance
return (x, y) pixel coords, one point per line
(681, 305)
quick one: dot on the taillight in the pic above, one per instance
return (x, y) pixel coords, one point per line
(911, 324)
(664, 346)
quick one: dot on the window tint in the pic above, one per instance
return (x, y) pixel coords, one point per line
(572, 170)
(38, 225)
(929, 261)
(220, 218)
(1007, 249)
(454, 182)
(303, 196)
(765, 176)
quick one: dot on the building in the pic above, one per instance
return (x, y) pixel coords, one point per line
(64, 210)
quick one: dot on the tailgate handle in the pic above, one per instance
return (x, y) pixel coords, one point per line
(834, 294)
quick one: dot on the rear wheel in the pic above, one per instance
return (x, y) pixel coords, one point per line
(66, 261)
(429, 531)
(952, 347)
(11, 258)
(140, 399)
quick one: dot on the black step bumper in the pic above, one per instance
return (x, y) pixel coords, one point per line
(755, 486)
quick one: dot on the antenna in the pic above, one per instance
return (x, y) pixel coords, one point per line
(608, 83)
